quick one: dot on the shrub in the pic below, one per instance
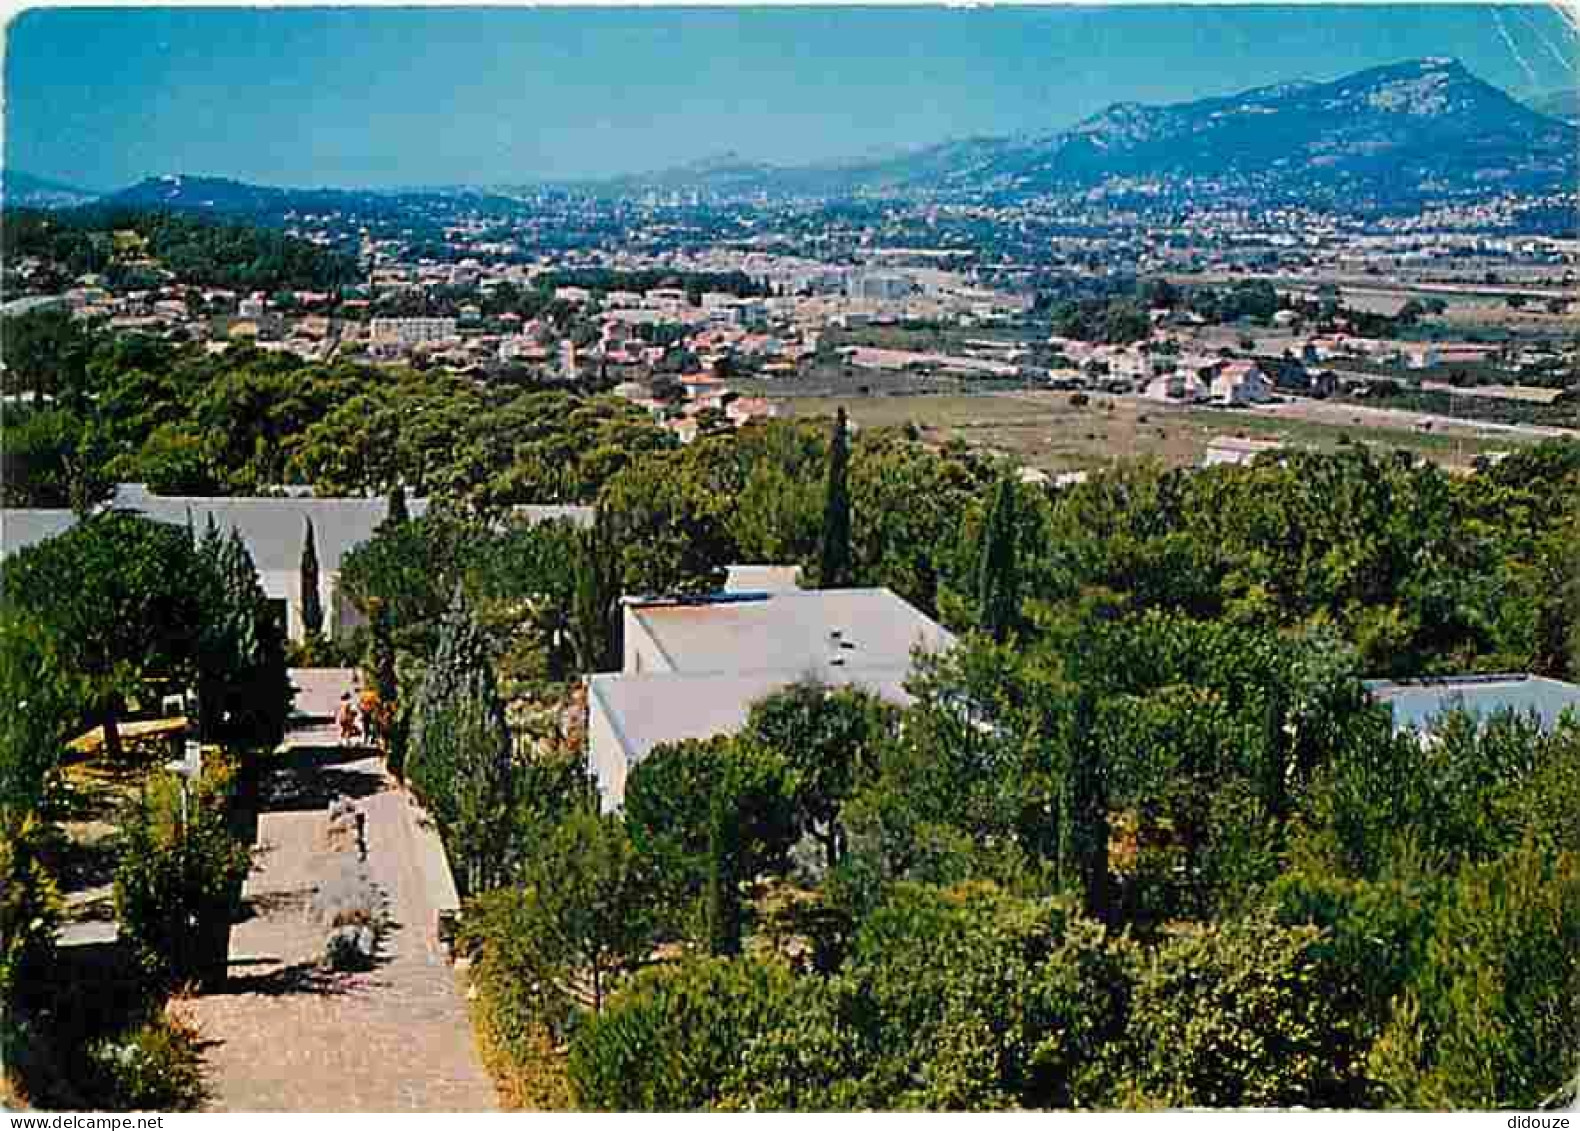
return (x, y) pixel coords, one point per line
(671, 1039)
(155, 1066)
(976, 999)
(29, 912)
(1492, 1018)
(178, 882)
(1237, 1014)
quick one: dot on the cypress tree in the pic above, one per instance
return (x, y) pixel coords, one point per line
(595, 602)
(723, 894)
(396, 513)
(459, 755)
(312, 604)
(998, 586)
(834, 561)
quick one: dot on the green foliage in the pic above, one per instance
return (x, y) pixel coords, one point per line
(312, 601)
(244, 691)
(120, 599)
(677, 796)
(667, 531)
(672, 1039)
(973, 1000)
(1466, 794)
(1236, 1014)
(1117, 321)
(829, 738)
(44, 699)
(581, 918)
(997, 581)
(460, 760)
(413, 568)
(178, 882)
(46, 354)
(154, 1066)
(52, 458)
(30, 909)
(595, 602)
(1491, 1018)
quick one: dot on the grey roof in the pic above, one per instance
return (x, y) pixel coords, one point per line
(1418, 703)
(21, 528)
(272, 528)
(790, 632)
(647, 710)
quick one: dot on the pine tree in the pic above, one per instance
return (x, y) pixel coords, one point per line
(312, 604)
(834, 561)
(998, 583)
(459, 755)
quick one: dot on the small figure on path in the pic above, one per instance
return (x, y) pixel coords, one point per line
(368, 709)
(347, 717)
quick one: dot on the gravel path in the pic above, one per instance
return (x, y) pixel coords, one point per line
(288, 1036)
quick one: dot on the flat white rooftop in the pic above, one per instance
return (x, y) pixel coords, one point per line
(790, 632)
(1417, 703)
(645, 711)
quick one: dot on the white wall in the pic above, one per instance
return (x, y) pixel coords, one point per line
(641, 653)
(605, 755)
(287, 585)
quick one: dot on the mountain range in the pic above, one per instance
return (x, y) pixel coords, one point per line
(1390, 135)
(1421, 127)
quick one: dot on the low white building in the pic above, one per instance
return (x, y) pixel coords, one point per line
(693, 667)
(1237, 450)
(1241, 383)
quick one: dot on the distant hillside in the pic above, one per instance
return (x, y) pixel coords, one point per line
(1423, 127)
(27, 191)
(279, 207)
(148, 246)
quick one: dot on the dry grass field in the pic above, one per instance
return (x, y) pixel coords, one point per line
(1046, 431)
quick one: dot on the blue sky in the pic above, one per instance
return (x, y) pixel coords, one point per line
(387, 96)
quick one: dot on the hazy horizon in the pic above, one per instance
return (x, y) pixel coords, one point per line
(380, 98)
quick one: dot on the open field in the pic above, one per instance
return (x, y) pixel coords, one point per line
(1044, 430)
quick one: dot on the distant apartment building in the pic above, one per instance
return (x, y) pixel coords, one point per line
(880, 286)
(412, 331)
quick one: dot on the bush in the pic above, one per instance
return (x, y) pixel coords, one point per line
(156, 1066)
(178, 883)
(1238, 1014)
(671, 1039)
(975, 999)
(1492, 1018)
(29, 912)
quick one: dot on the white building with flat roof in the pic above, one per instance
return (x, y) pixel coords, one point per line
(412, 331)
(693, 667)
